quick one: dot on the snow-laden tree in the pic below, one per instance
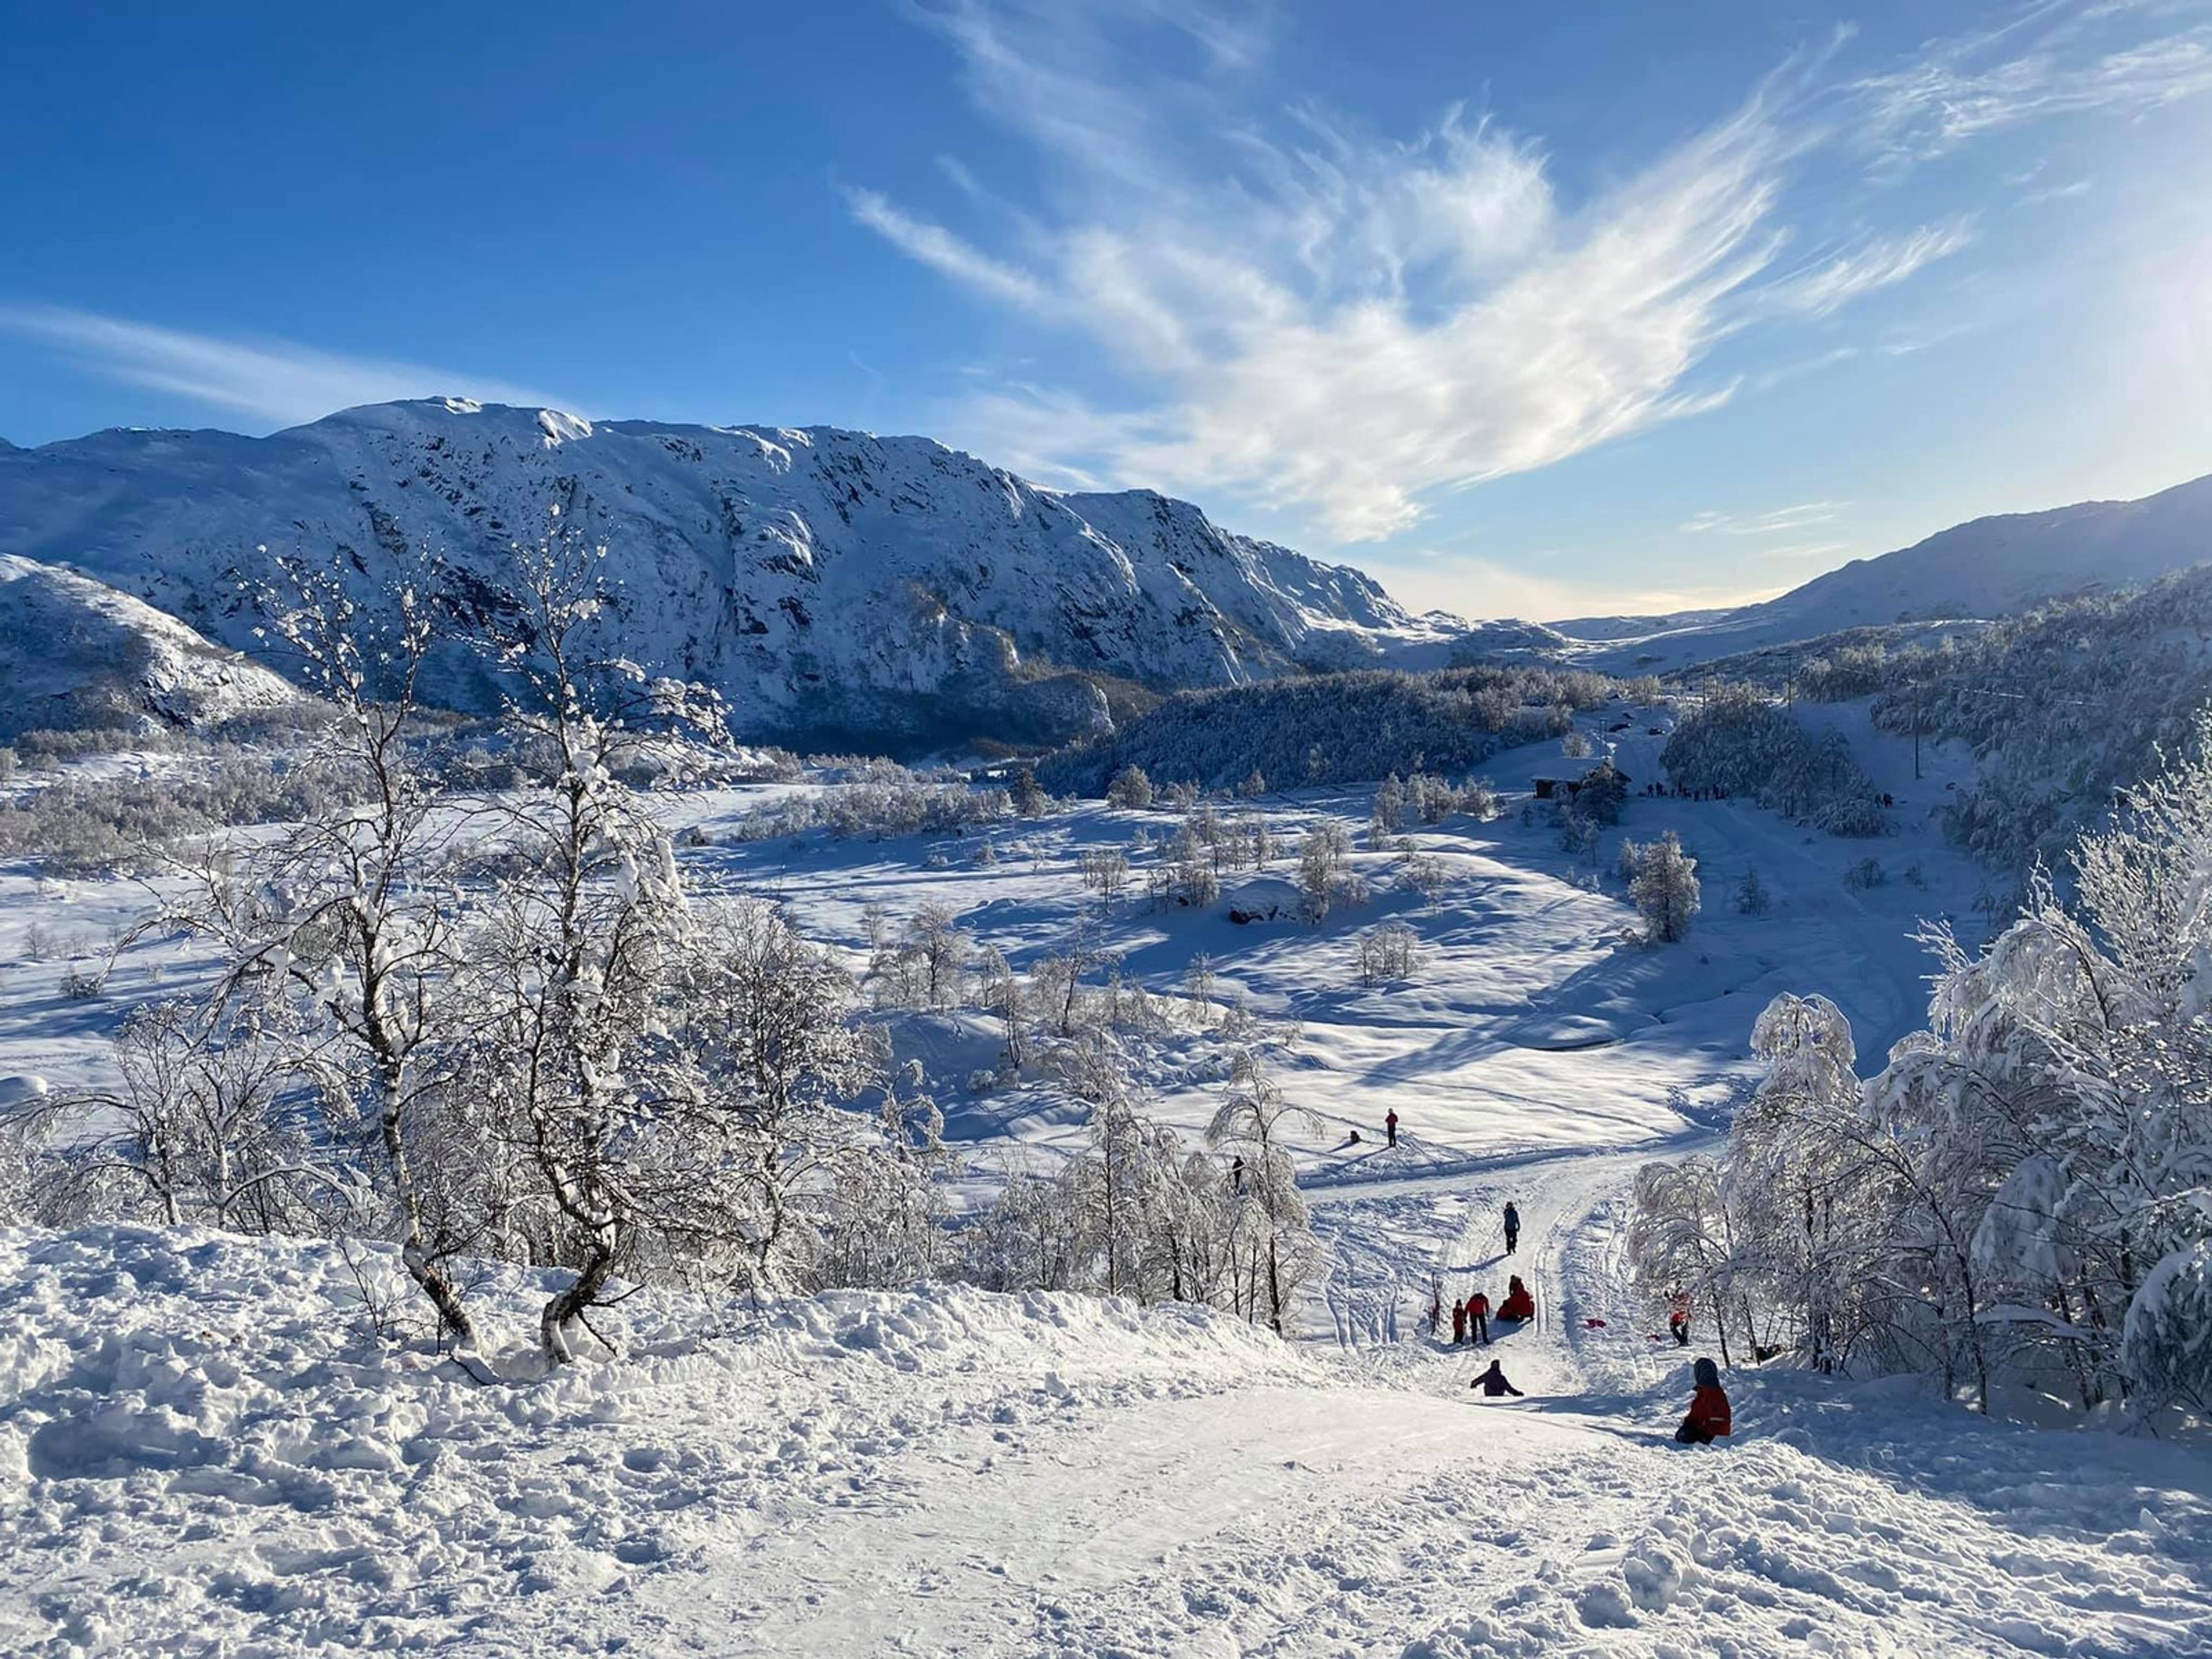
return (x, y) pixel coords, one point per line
(346, 918)
(1750, 895)
(1131, 790)
(1665, 889)
(1276, 1249)
(1325, 879)
(1682, 1241)
(1387, 951)
(2018, 1195)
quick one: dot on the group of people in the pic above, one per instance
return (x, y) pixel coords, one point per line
(1470, 1319)
(1710, 1417)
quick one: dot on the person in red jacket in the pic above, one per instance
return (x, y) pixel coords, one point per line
(1478, 1318)
(1390, 1126)
(1492, 1382)
(1458, 1323)
(1709, 1418)
(1518, 1304)
(1677, 1318)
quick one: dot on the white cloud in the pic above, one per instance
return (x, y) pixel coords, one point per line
(270, 380)
(1322, 320)
(1337, 322)
(1777, 521)
(1881, 262)
(2048, 60)
(943, 253)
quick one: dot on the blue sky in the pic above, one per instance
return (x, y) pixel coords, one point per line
(1529, 310)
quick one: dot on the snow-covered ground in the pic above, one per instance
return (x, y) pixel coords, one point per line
(205, 1447)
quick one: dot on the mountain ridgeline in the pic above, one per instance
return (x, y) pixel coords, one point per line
(839, 589)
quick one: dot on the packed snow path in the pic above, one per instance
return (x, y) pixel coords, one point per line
(199, 1452)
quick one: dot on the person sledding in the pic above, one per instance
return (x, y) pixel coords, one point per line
(1492, 1382)
(1709, 1419)
(1677, 1318)
(1478, 1319)
(1519, 1306)
(1458, 1323)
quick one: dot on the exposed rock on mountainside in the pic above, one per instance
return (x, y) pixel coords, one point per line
(837, 586)
(74, 653)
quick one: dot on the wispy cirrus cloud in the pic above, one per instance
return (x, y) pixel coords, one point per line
(271, 381)
(1320, 319)
(1880, 262)
(2046, 60)
(1777, 521)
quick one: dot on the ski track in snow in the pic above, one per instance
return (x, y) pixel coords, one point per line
(202, 1452)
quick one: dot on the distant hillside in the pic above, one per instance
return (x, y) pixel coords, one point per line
(1333, 728)
(837, 587)
(1992, 567)
(74, 653)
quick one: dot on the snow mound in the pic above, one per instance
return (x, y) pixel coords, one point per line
(201, 1444)
(74, 651)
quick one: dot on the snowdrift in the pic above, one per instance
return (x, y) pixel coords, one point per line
(201, 1442)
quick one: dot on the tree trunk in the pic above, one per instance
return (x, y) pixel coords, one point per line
(413, 1245)
(563, 1308)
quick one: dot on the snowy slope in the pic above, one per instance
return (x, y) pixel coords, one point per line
(74, 651)
(1990, 567)
(202, 1449)
(832, 583)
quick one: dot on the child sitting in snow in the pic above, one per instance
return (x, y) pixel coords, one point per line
(1709, 1418)
(1518, 1304)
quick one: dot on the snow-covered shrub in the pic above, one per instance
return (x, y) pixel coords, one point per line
(1665, 889)
(1387, 951)
(1131, 790)
(1576, 745)
(1423, 873)
(1198, 991)
(1105, 872)
(1323, 880)
(1751, 895)
(881, 798)
(1864, 875)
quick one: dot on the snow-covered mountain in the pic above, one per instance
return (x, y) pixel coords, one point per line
(1990, 567)
(834, 584)
(74, 651)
